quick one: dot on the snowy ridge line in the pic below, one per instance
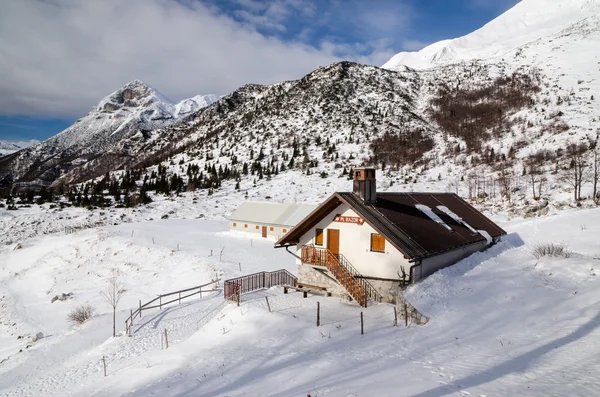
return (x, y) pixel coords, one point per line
(129, 321)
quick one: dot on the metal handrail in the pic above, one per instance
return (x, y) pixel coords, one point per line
(235, 287)
(343, 271)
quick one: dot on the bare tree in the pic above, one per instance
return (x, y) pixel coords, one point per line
(596, 171)
(536, 174)
(574, 174)
(113, 293)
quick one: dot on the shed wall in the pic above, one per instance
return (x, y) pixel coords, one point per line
(433, 264)
(277, 232)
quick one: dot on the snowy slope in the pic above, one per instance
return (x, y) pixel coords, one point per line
(191, 105)
(502, 322)
(7, 147)
(527, 21)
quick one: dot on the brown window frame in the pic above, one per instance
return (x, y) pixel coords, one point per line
(257, 227)
(321, 234)
(380, 244)
(285, 230)
(234, 224)
(245, 225)
(271, 229)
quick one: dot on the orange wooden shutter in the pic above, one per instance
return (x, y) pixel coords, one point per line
(377, 242)
(319, 237)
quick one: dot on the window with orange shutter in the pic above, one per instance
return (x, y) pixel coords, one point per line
(319, 237)
(285, 230)
(377, 243)
(234, 224)
(246, 225)
(271, 229)
(257, 227)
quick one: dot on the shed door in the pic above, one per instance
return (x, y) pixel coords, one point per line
(333, 241)
(264, 231)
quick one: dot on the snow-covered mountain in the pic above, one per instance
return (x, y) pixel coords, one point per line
(7, 147)
(488, 122)
(133, 111)
(526, 22)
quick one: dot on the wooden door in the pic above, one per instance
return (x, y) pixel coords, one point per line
(264, 231)
(333, 241)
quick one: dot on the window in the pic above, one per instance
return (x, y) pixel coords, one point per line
(377, 243)
(285, 230)
(319, 237)
(272, 229)
(257, 227)
(246, 225)
(234, 224)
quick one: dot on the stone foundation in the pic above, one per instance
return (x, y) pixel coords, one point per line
(309, 275)
(389, 290)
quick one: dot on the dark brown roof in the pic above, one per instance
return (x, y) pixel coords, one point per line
(410, 230)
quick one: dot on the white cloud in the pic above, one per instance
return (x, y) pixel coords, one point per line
(414, 45)
(59, 57)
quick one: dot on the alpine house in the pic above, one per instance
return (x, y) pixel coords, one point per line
(366, 245)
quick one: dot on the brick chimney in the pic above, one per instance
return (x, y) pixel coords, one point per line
(364, 185)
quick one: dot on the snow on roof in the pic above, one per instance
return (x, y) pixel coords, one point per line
(432, 215)
(272, 213)
(457, 218)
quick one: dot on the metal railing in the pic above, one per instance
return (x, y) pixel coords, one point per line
(235, 287)
(357, 286)
(148, 305)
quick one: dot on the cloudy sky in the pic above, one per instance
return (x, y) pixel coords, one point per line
(58, 58)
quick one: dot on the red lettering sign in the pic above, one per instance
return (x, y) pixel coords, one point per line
(349, 219)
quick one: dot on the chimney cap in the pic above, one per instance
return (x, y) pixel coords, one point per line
(363, 174)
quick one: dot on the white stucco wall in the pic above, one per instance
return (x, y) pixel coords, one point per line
(276, 233)
(355, 245)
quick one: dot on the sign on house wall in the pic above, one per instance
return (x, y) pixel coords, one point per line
(349, 219)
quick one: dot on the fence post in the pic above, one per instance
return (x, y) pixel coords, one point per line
(239, 295)
(318, 314)
(140, 308)
(104, 362)
(405, 315)
(268, 305)
(180, 298)
(160, 302)
(395, 317)
(166, 339)
(362, 329)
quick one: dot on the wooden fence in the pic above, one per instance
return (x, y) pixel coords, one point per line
(235, 287)
(148, 305)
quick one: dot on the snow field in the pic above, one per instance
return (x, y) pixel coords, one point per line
(501, 322)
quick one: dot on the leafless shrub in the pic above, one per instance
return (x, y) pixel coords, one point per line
(81, 314)
(551, 249)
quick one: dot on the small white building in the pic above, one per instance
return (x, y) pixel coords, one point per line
(265, 219)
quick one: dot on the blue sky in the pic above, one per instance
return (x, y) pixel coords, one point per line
(58, 58)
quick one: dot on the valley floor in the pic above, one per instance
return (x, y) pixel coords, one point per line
(502, 323)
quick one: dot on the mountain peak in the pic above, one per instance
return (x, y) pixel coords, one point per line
(134, 94)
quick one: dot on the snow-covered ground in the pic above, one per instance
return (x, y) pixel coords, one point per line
(501, 322)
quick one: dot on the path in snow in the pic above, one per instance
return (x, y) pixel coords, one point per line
(73, 362)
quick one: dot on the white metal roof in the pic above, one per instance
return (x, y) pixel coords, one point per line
(272, 213)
